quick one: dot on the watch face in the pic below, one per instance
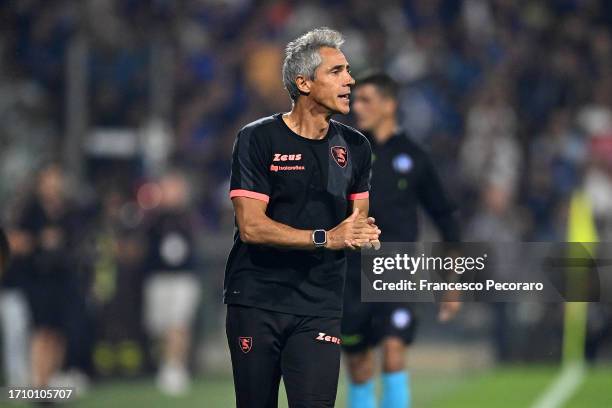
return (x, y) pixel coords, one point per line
(319, 237)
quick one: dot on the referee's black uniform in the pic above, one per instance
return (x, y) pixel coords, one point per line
(284, 306)
(403, 178)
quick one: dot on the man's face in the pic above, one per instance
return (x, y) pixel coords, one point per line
(331, 86)
(51, 182)
(371, 107)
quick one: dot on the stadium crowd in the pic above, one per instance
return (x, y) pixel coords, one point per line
(512, 98)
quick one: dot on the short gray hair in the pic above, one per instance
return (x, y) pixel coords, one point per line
(302, 56)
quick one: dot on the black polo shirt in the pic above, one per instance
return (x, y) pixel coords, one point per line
(404, 178)
(307, 185)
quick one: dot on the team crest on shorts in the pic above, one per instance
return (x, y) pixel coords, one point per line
(246, 344)
(340, 155)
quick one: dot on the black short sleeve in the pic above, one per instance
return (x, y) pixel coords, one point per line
(250, 175)
(361, 186)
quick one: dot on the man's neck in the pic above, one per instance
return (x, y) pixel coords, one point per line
(308, 120)
(385, 130)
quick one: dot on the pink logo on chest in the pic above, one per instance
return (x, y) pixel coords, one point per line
(287, 157)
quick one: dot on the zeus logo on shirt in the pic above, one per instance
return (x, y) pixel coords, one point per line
(287, 157)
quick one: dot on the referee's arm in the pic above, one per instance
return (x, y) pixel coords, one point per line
(441, 210)
(437, 204)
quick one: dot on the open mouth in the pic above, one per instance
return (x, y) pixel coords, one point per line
(345, 96)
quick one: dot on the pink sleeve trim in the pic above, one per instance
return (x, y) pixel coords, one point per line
(250, 194)
(359, 196)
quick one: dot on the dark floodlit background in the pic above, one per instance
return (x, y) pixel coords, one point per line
(134, 98)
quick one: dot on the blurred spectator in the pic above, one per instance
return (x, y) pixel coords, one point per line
(498, 221)
(556, 160)
(14, 315)
(490, 154)
(172, 291)
(14, 311)
(50, 228)
(596, 120)
(120, 345)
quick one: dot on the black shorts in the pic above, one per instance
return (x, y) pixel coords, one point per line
(365, 324)
(265, 345)
(52, 300)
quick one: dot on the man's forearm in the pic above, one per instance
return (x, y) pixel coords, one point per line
(265, 231)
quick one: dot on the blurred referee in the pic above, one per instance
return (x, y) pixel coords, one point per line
(300, 185)
(403, 177)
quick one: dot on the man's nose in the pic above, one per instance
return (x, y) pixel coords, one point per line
(351, 80)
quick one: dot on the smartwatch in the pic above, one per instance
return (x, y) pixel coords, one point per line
(319, 238)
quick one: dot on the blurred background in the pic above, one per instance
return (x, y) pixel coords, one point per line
(117, 119)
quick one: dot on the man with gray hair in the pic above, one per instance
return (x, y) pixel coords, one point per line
(300, 186)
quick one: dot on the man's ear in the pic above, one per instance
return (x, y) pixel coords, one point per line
(303, 84)
(390, 106)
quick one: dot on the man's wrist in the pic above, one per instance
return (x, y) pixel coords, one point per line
(319, 238)
(329, 240)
